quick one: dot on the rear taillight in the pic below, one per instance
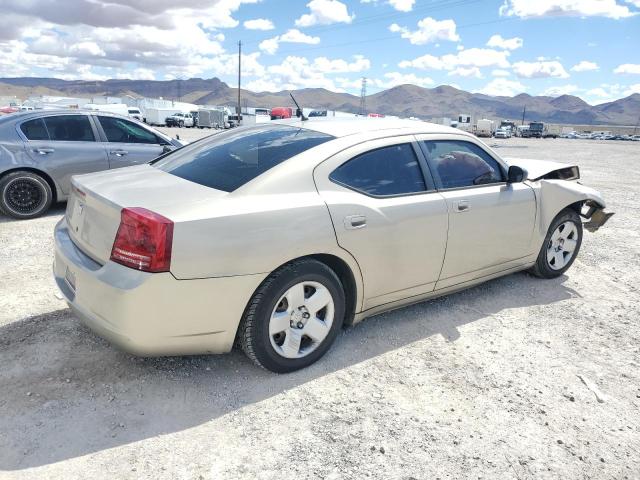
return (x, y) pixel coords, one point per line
(143, 240)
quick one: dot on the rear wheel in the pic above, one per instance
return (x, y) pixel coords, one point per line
(294, 317)
(24, 195)
(561, 245)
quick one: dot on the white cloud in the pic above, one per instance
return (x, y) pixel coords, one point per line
(560, 90)
(293, 35)
(635, 88)
(138, 74)
(466, 72)
(635, 3)
(584, 66)
(114, 37)
(299, 72)
(540, 69)
(500, 73)
(472, 57)
(400, 5)
(325, 12)
(573, 8)
(259, 24)
(506, 43)
(393, 79)
(429, 30)
(502, 87)
(632, 68)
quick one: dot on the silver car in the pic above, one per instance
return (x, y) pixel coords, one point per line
(275, 236)
(41, 150)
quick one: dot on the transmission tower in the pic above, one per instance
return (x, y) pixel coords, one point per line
(363, 97)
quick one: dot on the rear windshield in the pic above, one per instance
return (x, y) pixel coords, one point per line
(228, 160)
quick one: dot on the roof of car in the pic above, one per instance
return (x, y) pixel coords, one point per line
(343, 126)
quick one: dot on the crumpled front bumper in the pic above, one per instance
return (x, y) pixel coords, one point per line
(596, 216)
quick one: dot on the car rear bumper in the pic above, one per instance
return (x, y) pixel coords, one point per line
(150, 314)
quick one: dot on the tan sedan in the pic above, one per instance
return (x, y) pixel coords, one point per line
(275, 236)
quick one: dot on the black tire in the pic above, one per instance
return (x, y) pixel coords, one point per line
(24, 195)
(253, 332)
(542, 267)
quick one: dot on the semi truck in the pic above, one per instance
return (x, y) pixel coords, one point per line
(535, 130)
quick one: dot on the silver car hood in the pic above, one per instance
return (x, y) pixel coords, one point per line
(537, 169)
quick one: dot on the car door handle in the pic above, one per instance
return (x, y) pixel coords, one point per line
(43, 151)
(118, 153)
(353, 222)
(463, 206)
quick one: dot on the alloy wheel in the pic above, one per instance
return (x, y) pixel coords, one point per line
(301, 319)
(562, 245)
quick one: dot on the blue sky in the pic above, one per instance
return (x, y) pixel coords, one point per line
(588, 48)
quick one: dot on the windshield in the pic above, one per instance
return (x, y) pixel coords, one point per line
(228, 160)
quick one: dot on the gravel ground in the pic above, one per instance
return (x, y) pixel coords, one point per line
(487, 383)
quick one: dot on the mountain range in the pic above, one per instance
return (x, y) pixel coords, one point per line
(402, 100)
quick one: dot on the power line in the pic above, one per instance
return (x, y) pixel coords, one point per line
(380, 39)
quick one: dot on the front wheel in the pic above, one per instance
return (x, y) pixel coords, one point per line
(293, 317)
(561, 245)
(24, 195)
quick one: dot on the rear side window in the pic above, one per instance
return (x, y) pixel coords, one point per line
(229, 160)
(69, 128)
(34, 130)
(458, 164)
(390, 170)
(123, 131)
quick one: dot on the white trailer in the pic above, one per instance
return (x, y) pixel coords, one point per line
(484, 128)
(212, 118)
(119, 108)
(157, 116)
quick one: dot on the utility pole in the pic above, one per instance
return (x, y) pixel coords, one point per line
(524, 110)
(363, 97)
(239, 70)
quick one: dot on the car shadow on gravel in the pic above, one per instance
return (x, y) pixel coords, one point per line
(65, 393)
(56, 210)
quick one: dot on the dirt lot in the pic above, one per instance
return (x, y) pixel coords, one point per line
(482, 384)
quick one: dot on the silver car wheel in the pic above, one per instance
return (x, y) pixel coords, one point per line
(562, 245)
(301, 319)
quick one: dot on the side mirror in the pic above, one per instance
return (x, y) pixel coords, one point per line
(516, 174)
(166, 149)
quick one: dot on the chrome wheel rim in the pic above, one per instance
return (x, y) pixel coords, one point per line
(562, 245)
(301, 320)
(23, 196)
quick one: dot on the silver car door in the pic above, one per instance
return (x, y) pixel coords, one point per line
(127, 142)
(490, 222)
(387, 216)
(71, 148)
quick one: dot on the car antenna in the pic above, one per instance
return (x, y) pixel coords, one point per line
(302, 117)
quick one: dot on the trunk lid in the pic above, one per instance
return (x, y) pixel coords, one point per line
(96, 200)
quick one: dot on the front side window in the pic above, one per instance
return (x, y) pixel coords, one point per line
(34, 129)
(229, 160)
(119, 130)
(69, 128)
(457, 164)
(392, 170)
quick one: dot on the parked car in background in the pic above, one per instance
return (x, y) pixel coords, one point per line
(41, 150)
(503, 133)
(275, 236)
(180, 120)
(317, 113)
(135, 113)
